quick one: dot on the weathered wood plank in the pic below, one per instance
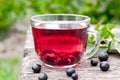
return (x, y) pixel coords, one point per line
(83, 69)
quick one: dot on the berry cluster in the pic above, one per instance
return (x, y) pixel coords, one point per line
(53, 58)
(104, 65)
(36, 69)
(72, 73)
(43, 76)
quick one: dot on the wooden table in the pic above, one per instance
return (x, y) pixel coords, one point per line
(83, 69)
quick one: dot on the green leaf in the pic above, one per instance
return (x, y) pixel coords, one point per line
(105, 31)
(109, 45)
(97, 28)
(116, 45)
(111, 35)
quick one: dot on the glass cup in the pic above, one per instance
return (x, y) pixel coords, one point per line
(60, 40)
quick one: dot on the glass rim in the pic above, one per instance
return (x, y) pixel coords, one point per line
(87, 19)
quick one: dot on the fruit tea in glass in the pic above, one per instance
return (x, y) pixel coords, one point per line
(60, 40)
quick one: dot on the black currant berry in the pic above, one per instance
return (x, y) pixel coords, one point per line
(43, 76)
(70, 71)
(36, 68)
(104, 66)
(74, 76)
(103, 41)
(103, 56)
(94, 62)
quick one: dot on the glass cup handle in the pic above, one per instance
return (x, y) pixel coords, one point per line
(92, 52)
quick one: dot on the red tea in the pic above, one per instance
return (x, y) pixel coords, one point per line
(60, 47)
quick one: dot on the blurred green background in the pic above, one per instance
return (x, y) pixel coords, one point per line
(12, 11)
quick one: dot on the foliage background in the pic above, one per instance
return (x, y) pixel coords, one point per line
(11, 10)
(14, 10)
